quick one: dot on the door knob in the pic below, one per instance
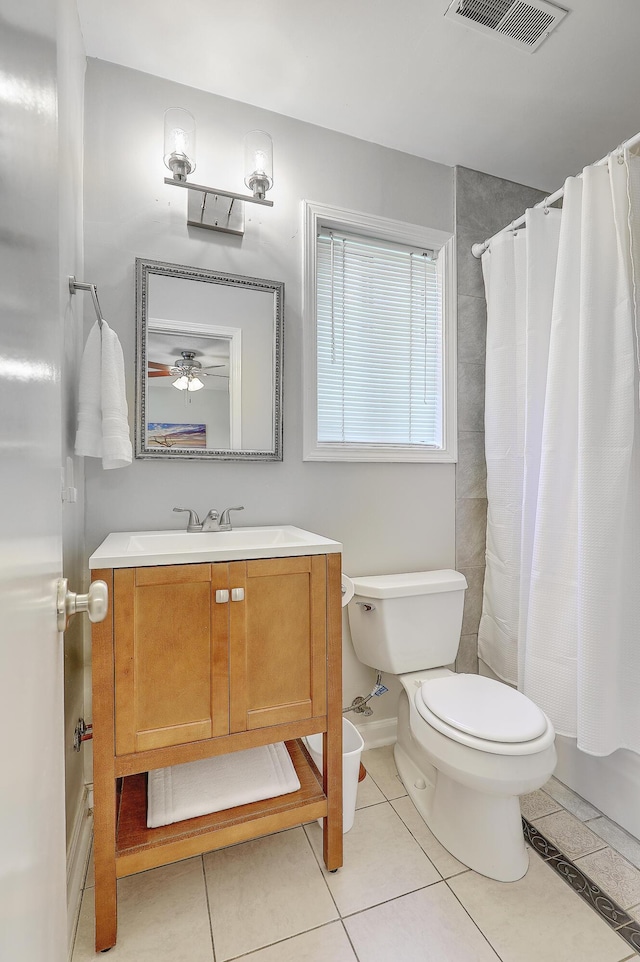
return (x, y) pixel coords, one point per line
(95, 602)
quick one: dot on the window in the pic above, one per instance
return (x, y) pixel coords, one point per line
(379, 341)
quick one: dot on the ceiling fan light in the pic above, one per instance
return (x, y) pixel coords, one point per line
(194, 384)
(181, 383)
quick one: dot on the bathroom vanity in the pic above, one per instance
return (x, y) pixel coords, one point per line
(213, 643)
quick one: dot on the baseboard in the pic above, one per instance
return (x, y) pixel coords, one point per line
(375, 734)
(77, 860)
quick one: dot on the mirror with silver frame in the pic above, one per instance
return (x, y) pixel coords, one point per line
(208, 364)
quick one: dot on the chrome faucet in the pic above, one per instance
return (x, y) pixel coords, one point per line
(212, 522)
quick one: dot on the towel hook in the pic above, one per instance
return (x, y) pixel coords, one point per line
(75, 286)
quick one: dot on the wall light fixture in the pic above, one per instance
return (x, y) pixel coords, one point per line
(210, 207)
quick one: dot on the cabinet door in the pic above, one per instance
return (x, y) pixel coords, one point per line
(171, 655)
(278, 641)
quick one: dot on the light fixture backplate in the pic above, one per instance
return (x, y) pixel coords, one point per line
(215, 212)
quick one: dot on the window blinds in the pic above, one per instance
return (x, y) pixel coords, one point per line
(379, 343)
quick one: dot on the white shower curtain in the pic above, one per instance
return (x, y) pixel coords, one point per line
(560, 614)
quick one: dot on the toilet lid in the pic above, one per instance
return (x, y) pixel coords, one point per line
(483, 707)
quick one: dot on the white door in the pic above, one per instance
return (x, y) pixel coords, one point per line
(32, 820)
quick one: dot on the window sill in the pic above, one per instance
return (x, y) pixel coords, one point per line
(364, 453)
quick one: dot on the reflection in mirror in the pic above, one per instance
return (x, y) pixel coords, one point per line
(208, 364)
(189, 381)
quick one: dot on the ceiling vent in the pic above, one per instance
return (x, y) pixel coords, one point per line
(522, 23)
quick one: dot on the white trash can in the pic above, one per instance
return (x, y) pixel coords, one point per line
(352, 745)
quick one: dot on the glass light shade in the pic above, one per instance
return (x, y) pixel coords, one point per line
(258, 162)
(181, 383)
(195, 384)
(179, 142)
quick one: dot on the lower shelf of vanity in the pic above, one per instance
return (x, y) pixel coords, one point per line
(139, 848)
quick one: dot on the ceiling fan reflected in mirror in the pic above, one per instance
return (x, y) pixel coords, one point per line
(188, 371)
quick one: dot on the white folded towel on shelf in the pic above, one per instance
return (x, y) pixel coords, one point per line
(213, 784)
(103, 416)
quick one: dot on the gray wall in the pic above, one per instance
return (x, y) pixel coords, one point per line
(165, 405)
(483, 204)
(390, 517)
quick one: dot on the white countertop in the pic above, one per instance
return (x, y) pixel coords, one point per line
(133, 549)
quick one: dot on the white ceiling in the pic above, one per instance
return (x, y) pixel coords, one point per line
(397, 73)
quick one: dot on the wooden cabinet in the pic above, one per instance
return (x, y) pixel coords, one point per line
(278, 642)
(196, 660)
(171, 656)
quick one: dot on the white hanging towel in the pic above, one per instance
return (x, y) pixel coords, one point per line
(213, 784)
(103, 416)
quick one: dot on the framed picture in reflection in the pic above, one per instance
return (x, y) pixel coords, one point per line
(168, 436)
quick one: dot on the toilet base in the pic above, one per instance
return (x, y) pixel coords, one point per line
(482, 831)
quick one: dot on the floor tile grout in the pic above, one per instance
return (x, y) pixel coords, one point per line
(623, 831)
(380, 789)
(353, 948)
(455, 875)
(384, 801)
(484, 936)
(206, 893)
(376, 905)
(269, 945)
(384, 901)
(317, 860)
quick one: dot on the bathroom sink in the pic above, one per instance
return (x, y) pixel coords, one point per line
(127, 549)
(215, 540)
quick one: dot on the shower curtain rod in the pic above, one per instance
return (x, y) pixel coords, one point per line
(478, 249)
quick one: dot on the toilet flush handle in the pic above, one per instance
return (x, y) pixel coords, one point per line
(365, 606)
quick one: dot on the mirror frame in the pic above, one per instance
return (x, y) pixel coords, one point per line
(144, 269)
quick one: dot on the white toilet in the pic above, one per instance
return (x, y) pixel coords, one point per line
(467, 745)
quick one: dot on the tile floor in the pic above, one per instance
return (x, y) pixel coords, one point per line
(399, 898)
(599, 847)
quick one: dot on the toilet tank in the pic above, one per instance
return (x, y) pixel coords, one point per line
(407, 622)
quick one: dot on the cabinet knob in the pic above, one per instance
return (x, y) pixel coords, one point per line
(222, 596)
(237, 594)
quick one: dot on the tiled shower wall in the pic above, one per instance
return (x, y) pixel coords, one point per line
(484, 204)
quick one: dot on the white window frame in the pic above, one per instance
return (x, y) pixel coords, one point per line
(317, 216)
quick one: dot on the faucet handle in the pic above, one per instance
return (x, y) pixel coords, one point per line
(224, 517)
(194, 520)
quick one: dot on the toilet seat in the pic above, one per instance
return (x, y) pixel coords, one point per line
(483, 714)
(483, 707)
